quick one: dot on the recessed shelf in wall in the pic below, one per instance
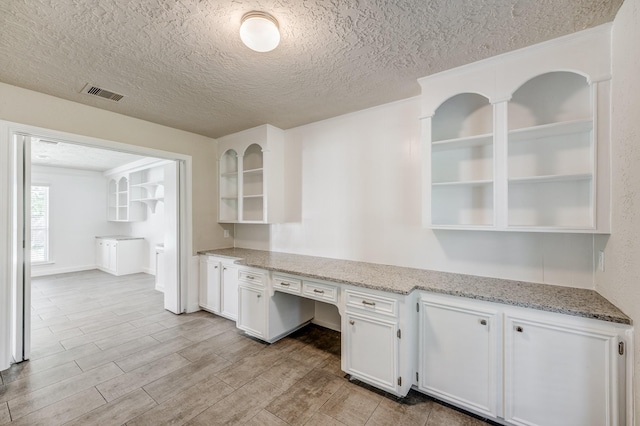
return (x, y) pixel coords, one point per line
(463, 183)
(550, 130)
(551, 178)
(464, 142)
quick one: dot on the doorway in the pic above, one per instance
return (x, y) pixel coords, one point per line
(162, 182)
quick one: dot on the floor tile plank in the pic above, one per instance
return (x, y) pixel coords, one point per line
(117, 412)
(62, 411)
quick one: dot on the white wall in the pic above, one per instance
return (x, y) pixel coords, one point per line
(153, 228)
(77, 213)
(359, 180)
(620, 282)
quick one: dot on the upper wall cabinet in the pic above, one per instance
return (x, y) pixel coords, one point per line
(520, 142)
(251, 176)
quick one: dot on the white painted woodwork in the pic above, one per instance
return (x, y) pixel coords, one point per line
(209, 289)
(459, 353)
(252, 310)
(119, 257)
(520, 142)
(251, 176)
(371, 350)
(229, 291)
(561, 374)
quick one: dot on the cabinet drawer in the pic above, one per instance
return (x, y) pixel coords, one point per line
(320, 291)
(287, 284)
(251, 277)
(368, 303)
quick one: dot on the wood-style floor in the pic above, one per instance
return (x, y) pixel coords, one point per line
(105, 352)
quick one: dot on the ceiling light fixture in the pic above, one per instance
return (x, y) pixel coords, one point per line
(259, 31)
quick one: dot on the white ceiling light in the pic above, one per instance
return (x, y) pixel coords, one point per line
(259, 31)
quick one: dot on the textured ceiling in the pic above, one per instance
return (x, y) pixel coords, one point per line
(74, 156)
(181, 62)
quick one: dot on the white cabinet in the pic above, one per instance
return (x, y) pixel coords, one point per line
(562, 373)
(372, 347)
(522, 366)
(229, 291)
(251, 176)
(209, 289)
(372, 350)
(520, 142)
(252, 303)
(120, 256)
(459, 353)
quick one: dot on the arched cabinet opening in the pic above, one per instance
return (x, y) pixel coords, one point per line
(551, 153)
(228, 167)
(251, 168)
(462, 166)
(253, 184)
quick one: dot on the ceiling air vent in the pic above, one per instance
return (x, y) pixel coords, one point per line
(90, 89)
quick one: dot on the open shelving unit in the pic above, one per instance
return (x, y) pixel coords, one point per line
(251, 176)
(551, 154)
(462, 163)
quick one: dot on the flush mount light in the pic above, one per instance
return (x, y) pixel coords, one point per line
(259, 31)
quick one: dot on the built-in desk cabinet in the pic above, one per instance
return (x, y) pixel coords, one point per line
(515, 365)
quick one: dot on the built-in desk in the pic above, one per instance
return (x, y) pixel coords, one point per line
(490, 346)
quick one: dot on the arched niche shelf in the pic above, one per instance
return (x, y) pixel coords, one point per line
(229, 182)
(253, 184)
(551, 153)
(462, 171)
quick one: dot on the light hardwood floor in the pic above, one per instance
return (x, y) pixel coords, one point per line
(105, 352)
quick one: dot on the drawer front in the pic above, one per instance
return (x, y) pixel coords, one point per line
(287, 284)
(320, 291)
(364, 302)
(252, 277)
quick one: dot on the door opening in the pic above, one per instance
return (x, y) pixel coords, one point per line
(152, 194)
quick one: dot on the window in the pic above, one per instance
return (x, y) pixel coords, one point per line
(39, 224)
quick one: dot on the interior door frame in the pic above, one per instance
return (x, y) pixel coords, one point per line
(185, 232)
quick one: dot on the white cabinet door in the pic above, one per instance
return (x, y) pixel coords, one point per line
(209, 297)
(112, 258)
(559, 375)
(252, 311)
(229, 291)
(458, 359)
(99, 253)
(371, 350)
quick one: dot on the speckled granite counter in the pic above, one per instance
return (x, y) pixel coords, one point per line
(395, 279)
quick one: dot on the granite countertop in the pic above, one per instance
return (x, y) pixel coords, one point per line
(396, 279)
(118, 237)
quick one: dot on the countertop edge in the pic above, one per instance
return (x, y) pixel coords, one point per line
(618, 319)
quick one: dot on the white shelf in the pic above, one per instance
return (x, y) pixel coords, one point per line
(463, 183)
(465, 142)
(148, 184)
(253, 196)
(551, 178)
(465, 227)
(253, 171)
(553, 129)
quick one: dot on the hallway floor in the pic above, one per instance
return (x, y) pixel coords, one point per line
(105, 352)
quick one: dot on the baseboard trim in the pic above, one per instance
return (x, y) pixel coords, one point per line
(43, 270)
